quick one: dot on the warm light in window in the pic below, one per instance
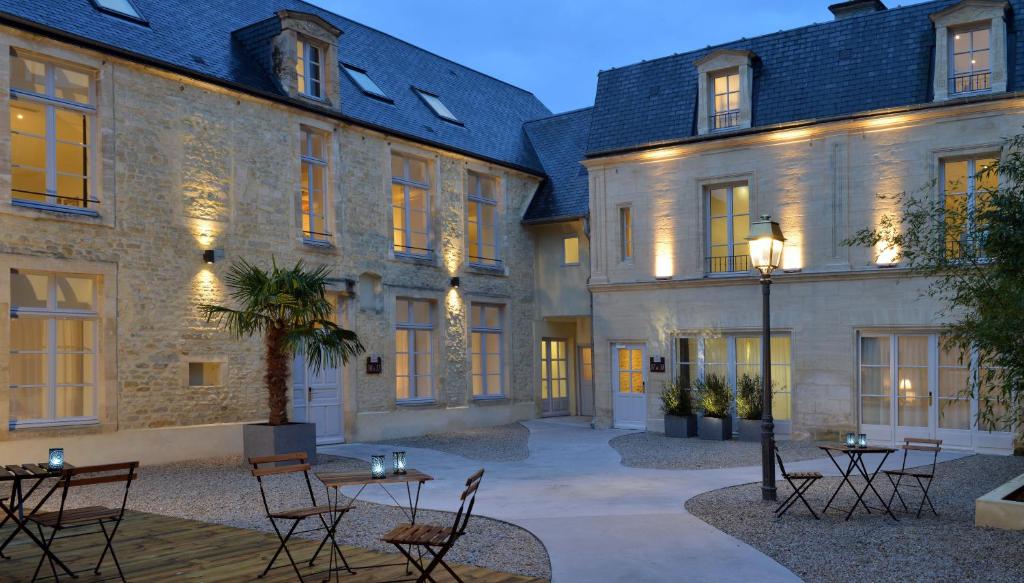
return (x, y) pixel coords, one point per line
(21, 116)
(957, 37)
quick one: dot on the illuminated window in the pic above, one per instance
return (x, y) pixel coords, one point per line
(625, 233)
(966, 184)
(725, 100)
(51, 113)
(486, 349)
(410, 206)
(308, 68)
(482, 220)
(971, 67)
(728, 224)
(437, 106)
(365, 83)
(313, 187)
(571, 250)
(414, 353)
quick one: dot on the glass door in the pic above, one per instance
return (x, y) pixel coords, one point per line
(629, 406)
(554, 377)
(914, 396)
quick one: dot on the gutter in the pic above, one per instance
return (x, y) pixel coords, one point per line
(550, 220)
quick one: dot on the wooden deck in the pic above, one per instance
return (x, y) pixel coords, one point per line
(160, 548)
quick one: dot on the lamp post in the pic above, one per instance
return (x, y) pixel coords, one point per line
(765, 242)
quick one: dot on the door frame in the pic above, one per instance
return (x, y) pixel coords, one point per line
(615, 346)
(579, 380)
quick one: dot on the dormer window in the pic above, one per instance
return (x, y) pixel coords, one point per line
(308, 67)
(971, 69)
(725, 80)
(725, 100)
(970, 49)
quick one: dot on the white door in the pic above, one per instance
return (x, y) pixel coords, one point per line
(585, 377)
(554, 377)
(316, 398)
(629, 386)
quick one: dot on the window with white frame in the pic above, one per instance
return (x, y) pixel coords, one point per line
(410, 206)
(52, 109)
(53, 344)
(970, 66)
(482, 220)
(966, 184)
(414, 349)
(487, 349)
(314, 185)
(725, 100)
(571, 250)
(728, 224)
(625, 233)
(308, 68)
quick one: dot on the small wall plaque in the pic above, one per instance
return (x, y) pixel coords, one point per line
(657, 364)
(374, 364)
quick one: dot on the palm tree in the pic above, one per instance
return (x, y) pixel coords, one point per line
(290, 310)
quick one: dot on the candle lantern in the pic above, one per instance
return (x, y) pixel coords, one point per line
(399, 462)
(56, 460)
(862, 440)
(377, 470)
(851, 440)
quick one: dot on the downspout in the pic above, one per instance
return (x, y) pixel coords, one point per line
(586, 232)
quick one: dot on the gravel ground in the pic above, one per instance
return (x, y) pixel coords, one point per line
(874, 548)
(504, 443)
(655, 451)
(222, 491)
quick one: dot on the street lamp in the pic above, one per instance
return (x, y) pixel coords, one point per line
(765, 242)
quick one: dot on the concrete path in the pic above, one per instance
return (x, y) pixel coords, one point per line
(600, 520)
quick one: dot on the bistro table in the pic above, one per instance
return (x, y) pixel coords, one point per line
(335, 481)
(14, 508)
(856, 456)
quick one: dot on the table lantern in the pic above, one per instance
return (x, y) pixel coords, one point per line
(399, 462)
(377, 470)
(56, 460)
(851, 440)
(862, 440)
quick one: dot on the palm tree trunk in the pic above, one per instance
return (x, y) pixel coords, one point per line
(277, 376)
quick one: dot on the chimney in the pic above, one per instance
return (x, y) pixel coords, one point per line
(856, 8)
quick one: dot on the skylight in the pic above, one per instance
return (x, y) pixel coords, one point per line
(121, 7)
(365, 83)
(438, 106)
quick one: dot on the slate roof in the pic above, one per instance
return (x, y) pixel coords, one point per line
(560, 142)
(860, 63)
(196, 36)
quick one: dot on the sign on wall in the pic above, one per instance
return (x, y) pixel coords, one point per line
(657, 364)
(374, 364)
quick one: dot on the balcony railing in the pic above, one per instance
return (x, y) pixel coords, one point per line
(961, 249)
(727, 264)
(970, 82)
(724, 120)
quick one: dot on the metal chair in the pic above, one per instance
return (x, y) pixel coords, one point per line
(65, 518)
(922, 477)
(297, 463)
(799, 481)
(431, 537)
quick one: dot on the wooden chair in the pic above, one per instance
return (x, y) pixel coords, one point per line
(799, 481)
(297, 463)
(431, 537)
(65, 518)
(922, 476)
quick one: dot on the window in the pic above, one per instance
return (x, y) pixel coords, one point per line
(437, 106)
(410, 206)
(486, 349)
(414, 332)
(308, 69)
(725, 100)
(121, 7)
(482, 220)
(625, 233)
(728, 226)
(53, 348)
(365, 83)
(970, 67)
(965, 184)
(313, 186)
(954, 380)
(571, 250)
(204, 374)
(51, 147)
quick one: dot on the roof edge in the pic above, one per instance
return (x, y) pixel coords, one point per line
(550, 220)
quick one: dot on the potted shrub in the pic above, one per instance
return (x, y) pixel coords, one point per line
(677, 405)
(715, 402)
(748, 407)
(290, 311)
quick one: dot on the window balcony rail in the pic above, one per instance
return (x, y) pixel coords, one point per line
(728, 264)
(970, 82)
(410, 251)
(75, 201)
(724, 120)
(317, 238)
(489, 262)
(962, 249)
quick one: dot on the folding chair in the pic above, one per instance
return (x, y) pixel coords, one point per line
(799, 481)
(429, 536)
(922, 476)
(65, 518)
(298, 464)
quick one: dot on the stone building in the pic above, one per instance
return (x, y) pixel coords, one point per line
(501, 262)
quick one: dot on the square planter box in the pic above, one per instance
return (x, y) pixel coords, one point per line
(715, 428)
(750, 430)
(260, 439)
(676, 426)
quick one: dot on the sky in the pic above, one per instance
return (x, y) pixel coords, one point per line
(555, 48)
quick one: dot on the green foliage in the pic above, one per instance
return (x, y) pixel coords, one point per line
(714, 395)
(749, 397)
(676, 399)
(975, 262)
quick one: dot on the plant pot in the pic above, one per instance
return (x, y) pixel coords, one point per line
(750, 430)
(715, 428)
(676, 426)
(260, 439)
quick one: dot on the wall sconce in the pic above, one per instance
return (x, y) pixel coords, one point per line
(455, 281)
(56, 461)
(377, 471)
(209, 256)
(399, 462)
(851, 440)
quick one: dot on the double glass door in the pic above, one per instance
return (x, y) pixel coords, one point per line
(554, 377)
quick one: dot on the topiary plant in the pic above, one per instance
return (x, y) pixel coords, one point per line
(715, 396)
(748, 397)
(676, 399)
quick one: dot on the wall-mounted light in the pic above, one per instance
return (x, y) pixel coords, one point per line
(209, 256)
(455, 281)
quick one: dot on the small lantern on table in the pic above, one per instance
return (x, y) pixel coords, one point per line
(56, 459)
(398, 458)
(862, 440)
(851, 440)
(377, 470)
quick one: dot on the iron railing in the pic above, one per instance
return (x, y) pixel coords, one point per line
(727, 264)
(970, 82)
(724, 120)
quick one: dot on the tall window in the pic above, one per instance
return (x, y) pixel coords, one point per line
(53, 348)
(725, 100)
(308, 68)
(969, 55)
(414, 359)
(625, 233)
(51, 112)
(313, 158)
(965, 186)
(571, 250)
(728, 226)
(486, 354)
(410, 206)
(482, 220)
